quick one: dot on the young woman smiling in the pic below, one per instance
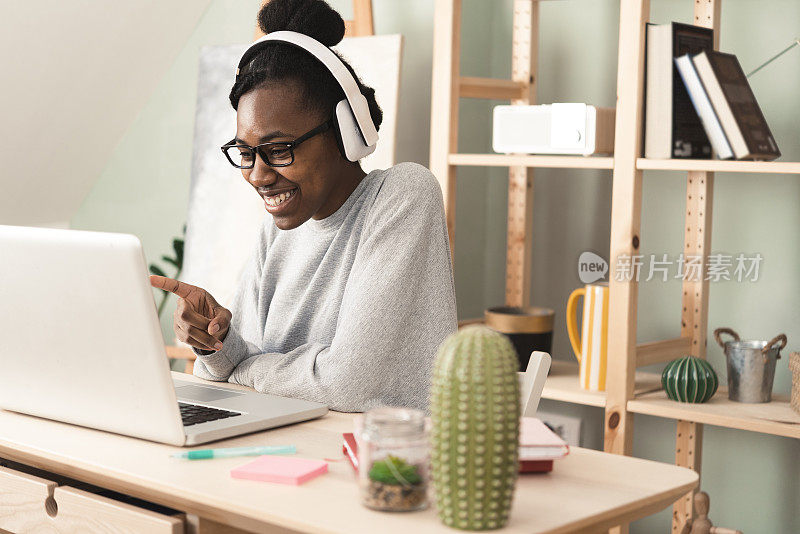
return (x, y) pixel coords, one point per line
(350, 290)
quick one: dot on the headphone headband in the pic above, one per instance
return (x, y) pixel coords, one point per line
(358, 103)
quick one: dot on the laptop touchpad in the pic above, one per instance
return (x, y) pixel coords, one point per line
(203, 393)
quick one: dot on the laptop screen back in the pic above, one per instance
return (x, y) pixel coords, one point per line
(82, 341)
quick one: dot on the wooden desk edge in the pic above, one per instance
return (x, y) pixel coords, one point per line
(629, 513)
(603, 521)
(209, 511)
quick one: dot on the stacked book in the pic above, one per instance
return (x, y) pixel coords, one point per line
(698, 99)
(538, 447)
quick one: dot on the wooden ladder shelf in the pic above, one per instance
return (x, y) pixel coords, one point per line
(628, 391)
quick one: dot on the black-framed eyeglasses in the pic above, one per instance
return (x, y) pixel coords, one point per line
(273, 153)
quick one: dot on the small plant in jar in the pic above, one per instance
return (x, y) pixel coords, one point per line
(393, 461)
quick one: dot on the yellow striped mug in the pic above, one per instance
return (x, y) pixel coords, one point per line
(591, 346)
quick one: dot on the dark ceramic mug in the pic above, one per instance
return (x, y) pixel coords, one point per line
(529, 329)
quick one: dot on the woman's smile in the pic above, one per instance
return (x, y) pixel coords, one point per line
(279, 202)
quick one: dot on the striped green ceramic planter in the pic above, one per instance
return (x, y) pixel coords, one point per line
(689, 379)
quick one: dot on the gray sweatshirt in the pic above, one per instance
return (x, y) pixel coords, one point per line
(348, 310)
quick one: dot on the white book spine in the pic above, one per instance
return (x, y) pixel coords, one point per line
(697, 92)
(658, 91)
(723, 109)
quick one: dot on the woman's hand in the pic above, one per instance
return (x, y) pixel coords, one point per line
(199, 320)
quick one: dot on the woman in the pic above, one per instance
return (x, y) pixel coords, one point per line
(350, 290)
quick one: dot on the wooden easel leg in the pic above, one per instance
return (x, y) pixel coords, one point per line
(362, 19)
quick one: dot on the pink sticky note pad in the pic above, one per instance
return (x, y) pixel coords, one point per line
(281, 469)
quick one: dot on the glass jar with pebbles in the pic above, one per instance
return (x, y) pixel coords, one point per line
(393, 460)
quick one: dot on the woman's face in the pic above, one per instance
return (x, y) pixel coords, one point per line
(317, 178)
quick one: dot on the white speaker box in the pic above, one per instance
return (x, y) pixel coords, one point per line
(553, 129)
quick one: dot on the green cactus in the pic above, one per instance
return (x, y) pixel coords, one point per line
(475, 428)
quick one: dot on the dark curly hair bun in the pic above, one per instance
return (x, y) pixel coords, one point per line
(275, 62)
(314, 18)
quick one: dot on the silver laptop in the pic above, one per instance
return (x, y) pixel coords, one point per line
(81, 343)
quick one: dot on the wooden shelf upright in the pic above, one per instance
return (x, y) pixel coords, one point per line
(447, 87)
(628, 391)
(626, 208)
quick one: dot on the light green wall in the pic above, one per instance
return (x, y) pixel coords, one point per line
(752, 479)
(144, 188)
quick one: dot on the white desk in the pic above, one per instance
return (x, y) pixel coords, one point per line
(583, 493)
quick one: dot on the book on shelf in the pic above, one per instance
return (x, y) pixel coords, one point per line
(735, 105)
(708, 117)
(672, 127)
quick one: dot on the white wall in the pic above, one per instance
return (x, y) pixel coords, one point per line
(75, 75)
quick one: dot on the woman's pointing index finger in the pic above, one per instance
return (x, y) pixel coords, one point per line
(170, 284)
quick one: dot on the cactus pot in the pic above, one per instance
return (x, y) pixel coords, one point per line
(689, 379)
(475, 428)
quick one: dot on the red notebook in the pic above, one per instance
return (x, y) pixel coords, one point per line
(538, 447)
(350, 449)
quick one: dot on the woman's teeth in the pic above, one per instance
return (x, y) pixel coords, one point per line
(278, 199)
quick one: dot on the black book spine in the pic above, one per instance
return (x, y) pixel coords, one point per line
(689, 139)
(746, 111)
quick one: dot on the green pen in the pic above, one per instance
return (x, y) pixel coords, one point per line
(203, 454)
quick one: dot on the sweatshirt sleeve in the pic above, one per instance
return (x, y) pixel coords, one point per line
(398, 306)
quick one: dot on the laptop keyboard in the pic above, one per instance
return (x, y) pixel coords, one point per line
(193, 414)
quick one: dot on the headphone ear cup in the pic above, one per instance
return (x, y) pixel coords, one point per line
(349, 136)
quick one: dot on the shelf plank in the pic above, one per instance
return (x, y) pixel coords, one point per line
(562, 385)
(776, 417)
(527, 160)
(495, 89)
(716, 165)
(662, 351)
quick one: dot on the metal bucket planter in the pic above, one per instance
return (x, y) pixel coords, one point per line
(751, 366)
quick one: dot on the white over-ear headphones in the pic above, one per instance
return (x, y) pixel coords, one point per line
(355, 131)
